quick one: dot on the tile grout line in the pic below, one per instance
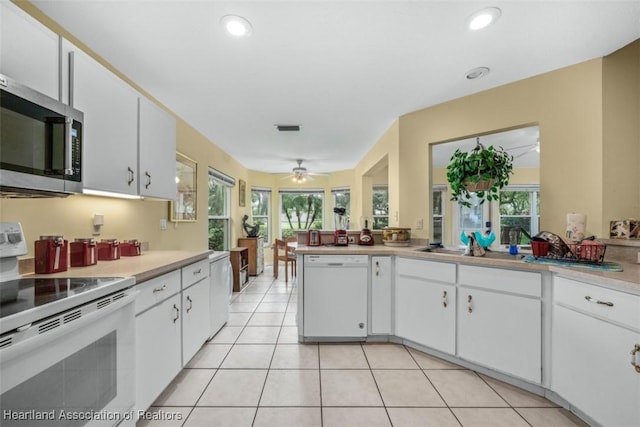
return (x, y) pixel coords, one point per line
(384, 405)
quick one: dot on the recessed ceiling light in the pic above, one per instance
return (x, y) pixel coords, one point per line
(477, 73)
(483, 18)
(236, 26)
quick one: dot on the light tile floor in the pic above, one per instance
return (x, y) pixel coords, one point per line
(255, 373)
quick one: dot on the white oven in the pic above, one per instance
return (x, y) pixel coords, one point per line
(72, 368)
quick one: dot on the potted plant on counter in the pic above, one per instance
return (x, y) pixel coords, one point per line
(483, 171)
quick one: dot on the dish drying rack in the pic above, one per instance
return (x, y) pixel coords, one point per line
(587, 254)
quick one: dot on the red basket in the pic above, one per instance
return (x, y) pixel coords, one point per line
(587, 253)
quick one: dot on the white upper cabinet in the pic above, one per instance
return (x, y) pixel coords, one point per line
(157, 146)
(129, 142)
(110, 126)
(29, 51)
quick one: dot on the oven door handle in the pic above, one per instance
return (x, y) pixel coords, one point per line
(33, 343)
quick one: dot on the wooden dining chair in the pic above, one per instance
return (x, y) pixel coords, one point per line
(282, 252)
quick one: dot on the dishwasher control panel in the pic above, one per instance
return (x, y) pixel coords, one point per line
(336, 260)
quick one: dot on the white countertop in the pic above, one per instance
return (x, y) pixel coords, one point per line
(626, 281)
(146, 266)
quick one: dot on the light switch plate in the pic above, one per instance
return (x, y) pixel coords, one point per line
(163, 224)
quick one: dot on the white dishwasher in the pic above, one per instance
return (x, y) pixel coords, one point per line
(335, 296)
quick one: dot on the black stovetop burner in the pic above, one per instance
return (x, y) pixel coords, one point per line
(24, 294)
(30, 299)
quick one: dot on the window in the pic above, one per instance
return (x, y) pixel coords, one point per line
(260, 211)
(300, 210)
(519, 207)
(437, 224)
(468, 220)
(380, 206)
(341, 199)
(219, 196)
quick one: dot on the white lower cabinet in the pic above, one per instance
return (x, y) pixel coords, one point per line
(425, 309)
(195, 318)
(500, 320)
(172, 323)
(592, 344)
(158, 335)
(380, 295)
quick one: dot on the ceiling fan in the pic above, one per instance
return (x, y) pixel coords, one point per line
(529, 148)
(300, 174)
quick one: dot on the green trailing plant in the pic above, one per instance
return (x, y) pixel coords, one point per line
(483, 171)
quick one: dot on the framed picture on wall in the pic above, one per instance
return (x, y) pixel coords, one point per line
(184, 207)
(242, 193)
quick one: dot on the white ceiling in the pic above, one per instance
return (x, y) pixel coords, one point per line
(343, 70)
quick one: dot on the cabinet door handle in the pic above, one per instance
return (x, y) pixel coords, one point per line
(190, 303)
(607, 303)
(469, 306)
(635, 352)
(377, 268)
(148, 179)
(160, 289)
(131, 176)
(177, 313)
(444, 299)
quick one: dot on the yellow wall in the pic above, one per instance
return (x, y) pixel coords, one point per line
(580, 109)
(621, 133)
(384, 154)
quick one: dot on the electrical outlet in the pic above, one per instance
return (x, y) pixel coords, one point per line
(352, 239)
(419, 223)
(638, 257)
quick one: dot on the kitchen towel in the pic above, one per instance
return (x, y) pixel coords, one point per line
(576, 226)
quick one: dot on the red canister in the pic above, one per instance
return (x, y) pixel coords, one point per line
(108, 249)
(130, 248)
(50, 254)
(83, 252)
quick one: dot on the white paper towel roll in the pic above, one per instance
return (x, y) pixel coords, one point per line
(576, 226)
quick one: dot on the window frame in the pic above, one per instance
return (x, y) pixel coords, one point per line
(374, 189)
(227, 182)
(334, 194)
(267, 217)
(534, 215)
(286, 191)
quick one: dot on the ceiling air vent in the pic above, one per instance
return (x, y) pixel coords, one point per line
(288, 128)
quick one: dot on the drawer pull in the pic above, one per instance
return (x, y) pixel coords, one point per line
(444, 299)
(177, 313)
(607, 303)
(469, 307)
(634, 357)
(198, 271)
(163, 288)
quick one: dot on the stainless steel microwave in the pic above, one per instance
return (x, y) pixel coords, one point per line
(40, 143)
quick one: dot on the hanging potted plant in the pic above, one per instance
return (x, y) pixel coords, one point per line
(483, 171)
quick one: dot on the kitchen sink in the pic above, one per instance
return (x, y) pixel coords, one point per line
(488, 254)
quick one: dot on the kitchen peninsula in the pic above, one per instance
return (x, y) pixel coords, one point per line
(518, 322)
